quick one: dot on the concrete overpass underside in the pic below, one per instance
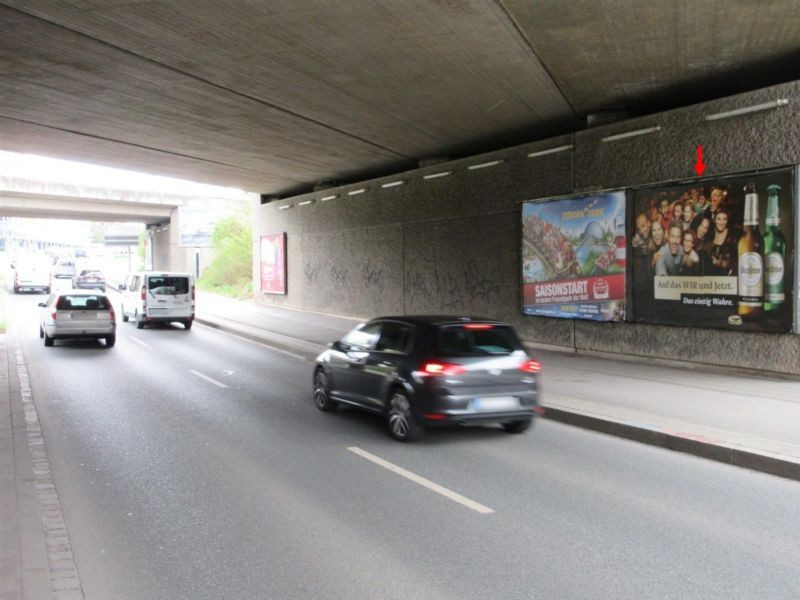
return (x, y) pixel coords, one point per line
(43, 206)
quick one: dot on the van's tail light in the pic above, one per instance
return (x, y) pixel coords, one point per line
(192, 293)
(438, 368)
(144, 292)
(531, 366)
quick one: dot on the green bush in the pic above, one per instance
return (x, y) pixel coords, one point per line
(231, 272)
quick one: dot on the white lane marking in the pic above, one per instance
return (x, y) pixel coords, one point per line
(435, 487)
(138, 341)
(263, 345)
(207, 378)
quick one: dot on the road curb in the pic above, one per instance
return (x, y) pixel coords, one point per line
(695, 445)
(680, 442)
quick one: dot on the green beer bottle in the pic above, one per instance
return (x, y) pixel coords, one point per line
(774, 255)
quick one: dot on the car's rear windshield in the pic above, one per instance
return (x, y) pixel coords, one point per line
(168, 286)
(476, 339)
(83, 302)
(91, 273)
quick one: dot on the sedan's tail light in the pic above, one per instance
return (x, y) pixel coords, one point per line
(438, 368)
(531, 366)
(112, 314)
(53, 314)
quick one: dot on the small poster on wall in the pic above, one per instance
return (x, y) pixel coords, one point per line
(574, 257)
(273, 263)
(716, 253)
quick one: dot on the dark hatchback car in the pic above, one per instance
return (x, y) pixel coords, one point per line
(428, 371)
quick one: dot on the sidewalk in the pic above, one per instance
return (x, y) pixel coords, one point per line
(749, 421)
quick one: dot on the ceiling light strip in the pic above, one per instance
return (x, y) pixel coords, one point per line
(356, 192)
(630, 134)
(326, 198)
(437, 175)
(284, 207)
(748, 109)
(550, 151)
(305, 203)
(491, 163)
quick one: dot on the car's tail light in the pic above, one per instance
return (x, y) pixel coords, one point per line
(438, 368)
(531, 366)
(53, 314)
(435, 416)
(112, 314)
(479, 326)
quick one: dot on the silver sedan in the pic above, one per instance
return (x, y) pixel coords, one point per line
(78, 315)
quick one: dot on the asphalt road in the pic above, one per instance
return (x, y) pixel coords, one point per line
(176, 487)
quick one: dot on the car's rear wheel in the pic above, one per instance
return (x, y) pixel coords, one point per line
(111, 340)
(16, 290)
(48, 341)
(124, 316)
(41, 332)
(139, 320)
(400, 418)
(322, 393)
(518, 426)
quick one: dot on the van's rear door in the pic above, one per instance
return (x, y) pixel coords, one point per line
(169, 296)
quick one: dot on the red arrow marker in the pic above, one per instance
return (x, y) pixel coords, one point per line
(699, 166)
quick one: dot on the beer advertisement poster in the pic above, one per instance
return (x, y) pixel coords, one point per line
(715, 253)
(574, 257)
(273, 263)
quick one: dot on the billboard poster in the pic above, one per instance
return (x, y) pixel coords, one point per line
(574, 257)
(716, 253)
(273, 263)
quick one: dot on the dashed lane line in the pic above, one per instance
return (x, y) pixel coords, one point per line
(138, 341)
(434, 487)
(207, 378)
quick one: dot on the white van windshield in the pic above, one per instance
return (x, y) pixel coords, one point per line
(168, 286)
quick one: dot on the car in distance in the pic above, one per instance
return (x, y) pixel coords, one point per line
(78, 314)
(429, 371)
(65, 268)
(31, 273)
(89, 279)
(158, 297)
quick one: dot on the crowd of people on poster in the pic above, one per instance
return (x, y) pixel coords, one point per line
(715, 254)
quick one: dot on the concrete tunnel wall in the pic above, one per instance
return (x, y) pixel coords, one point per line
(169, 255)
(452, 245)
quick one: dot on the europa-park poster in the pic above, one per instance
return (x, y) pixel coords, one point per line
(574, 257)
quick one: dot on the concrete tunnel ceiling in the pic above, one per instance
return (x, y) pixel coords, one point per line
(274, 97)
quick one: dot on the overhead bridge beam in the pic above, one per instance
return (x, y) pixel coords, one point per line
(20, 204)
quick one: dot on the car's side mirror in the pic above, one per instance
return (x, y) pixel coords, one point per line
(42, 304)
(335, 345)
(121, 287)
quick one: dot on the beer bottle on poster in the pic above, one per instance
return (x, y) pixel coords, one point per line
(751, 261)
(774, 255)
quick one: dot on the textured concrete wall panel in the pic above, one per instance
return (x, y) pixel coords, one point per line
(359, 275)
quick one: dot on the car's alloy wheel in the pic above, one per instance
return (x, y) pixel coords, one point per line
(402, 425)
(322, 393)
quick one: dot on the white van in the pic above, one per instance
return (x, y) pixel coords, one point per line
(31, 273)
(158, 297)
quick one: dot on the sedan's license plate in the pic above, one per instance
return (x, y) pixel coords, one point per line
(495, 403)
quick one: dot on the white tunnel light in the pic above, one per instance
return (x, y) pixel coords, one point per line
(630, 134)
(491, 163)
(550, 151)
(284, 207)
(392, 184)
(355, 192)
(326, 198)
(305, 203)
(748, 109)
(437, 175)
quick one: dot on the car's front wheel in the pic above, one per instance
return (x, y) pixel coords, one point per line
(518, 426)
(322, 393)
(400, 418)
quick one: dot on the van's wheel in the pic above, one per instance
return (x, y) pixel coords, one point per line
(125, 318)
(139, 320)
(48, 341)
(400, 418)
(187, 324)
